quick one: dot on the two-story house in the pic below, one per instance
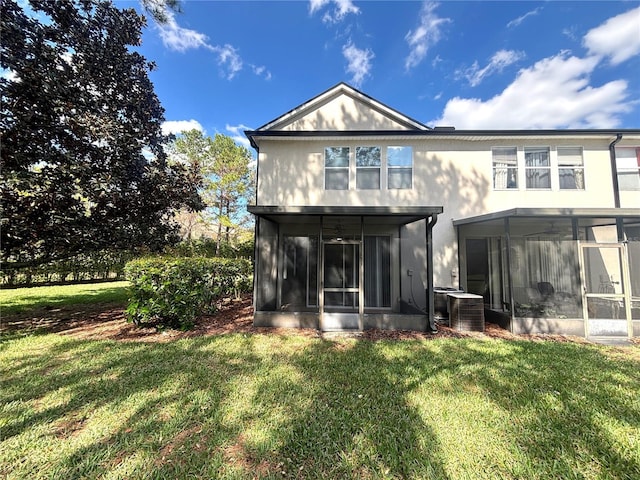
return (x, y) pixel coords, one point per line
(361, 211)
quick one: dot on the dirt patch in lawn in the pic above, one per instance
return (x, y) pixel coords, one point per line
(108, 321)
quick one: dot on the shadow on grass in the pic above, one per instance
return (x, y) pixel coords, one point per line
(245, 406)
(358, 422)
(568, 405)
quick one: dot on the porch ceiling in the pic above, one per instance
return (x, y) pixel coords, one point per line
(398, 215)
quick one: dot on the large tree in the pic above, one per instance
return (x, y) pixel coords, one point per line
(160, 10)
(226, 178)
(83, 166)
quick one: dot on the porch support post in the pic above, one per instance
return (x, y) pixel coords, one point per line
(321, 275)
(361, 275)
(507, 236)
(620, 229)
(431, 312)
(400, 260)
(257, 263)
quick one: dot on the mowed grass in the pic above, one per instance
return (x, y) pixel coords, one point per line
(269, 406)
(19, 300)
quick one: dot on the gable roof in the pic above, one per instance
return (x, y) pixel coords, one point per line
(343, 108)
(347, 113)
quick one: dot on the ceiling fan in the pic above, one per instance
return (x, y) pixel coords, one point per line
(552, 230)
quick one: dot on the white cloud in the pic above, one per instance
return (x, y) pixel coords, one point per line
(553, 93)
(618, 38)
(570, 33)
(341, 10)
(237, 134)
(499, 61)
(556, 92)
(426, 35)
(316, 5)
(359, 62)
(261, 71)
(228, 57)
(180, 39)
(177, 38)
(179, 126)
(517, 21)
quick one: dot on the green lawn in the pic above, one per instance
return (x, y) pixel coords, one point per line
(270, 406)
(22, 299)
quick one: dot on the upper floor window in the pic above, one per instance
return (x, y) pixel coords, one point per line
(336, 168)
(505, 168)
(628, 166)
(537, 167)
(570, 168)
(368, 168)
(399, 167)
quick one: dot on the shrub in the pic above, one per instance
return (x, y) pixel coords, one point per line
(206, 247)
(173, 292)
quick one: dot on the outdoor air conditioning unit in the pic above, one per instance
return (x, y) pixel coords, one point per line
(441, 302)
(466, 312)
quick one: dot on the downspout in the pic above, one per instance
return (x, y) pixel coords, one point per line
(431, 311)
(616, 185)
(614, 171)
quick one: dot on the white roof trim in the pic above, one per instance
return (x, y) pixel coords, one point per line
(344, 89)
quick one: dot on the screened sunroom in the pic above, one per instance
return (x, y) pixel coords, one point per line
(343, 268)
(571, 271)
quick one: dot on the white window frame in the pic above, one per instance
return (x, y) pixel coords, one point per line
(345, 168)
(528, 168)
(576, 167)
(369, 168)
(391, 168)
(495, 168)
(623, 168)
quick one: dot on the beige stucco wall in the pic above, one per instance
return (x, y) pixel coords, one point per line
(452, 173)
(457, 175)
(342, 113)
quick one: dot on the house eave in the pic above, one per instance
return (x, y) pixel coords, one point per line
(401, 214)
(551, 212)
(255, 136)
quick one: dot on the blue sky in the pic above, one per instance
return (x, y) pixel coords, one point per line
(224, 67)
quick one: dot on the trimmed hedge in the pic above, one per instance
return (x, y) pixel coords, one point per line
(102, 265)
(173, 292)
(206, 247)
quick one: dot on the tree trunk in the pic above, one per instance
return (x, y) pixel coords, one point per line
(220, 212)
(228, 228)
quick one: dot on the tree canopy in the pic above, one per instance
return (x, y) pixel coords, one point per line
(226, 179)
(159, 9)
(83, 165)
